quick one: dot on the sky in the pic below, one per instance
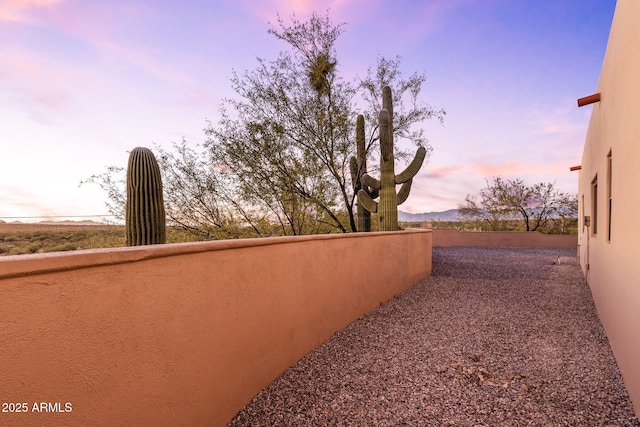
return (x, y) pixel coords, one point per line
(84, 82)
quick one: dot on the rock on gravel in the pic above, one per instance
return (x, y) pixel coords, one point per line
(494, 337)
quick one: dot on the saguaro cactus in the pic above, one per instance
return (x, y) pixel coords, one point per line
(358, 169)
(387, 207)
(145, 216)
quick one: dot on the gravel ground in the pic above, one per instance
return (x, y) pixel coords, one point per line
(494, 337)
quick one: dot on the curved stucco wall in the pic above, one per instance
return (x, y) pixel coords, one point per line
(183, 334)
(450, 237)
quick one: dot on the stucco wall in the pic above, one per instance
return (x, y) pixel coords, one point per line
(611, 266)
(183, 334)
(450, 237)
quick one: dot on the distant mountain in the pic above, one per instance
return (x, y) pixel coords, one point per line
(69, 222)
(450, 215)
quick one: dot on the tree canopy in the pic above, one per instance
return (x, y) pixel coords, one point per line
(277, 159)
(289, 135)
(537, 207)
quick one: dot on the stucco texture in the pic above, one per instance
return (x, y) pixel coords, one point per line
(448, 237)
(184, 334)
(610, 159)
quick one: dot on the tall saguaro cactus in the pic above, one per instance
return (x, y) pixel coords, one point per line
(145, 216)
(358, 169)
(387, 207)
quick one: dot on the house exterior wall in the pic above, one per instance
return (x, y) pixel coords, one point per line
(183, 334)
(610, 259)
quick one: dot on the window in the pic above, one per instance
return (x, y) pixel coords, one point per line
(609, 164)
(582, 213)
(594, 206)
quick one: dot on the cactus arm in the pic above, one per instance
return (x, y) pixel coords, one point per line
(404, 191)
(387, 204)
(358, 169)
(353, 166)
(367, 202)
(374, 193)
(413, 167)
(370, 181)
(387, 104)
(360, 145)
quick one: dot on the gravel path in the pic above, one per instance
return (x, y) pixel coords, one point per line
(494, 337)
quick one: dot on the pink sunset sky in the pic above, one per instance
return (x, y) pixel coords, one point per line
(84, 82)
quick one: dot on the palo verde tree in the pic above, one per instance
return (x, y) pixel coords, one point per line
(197, 197)
(536, 207)
(288, 137)
(288, 140)
(279, 152)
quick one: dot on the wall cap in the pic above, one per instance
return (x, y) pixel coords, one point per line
(33, 264)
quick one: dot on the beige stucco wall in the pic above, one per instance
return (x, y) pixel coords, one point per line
(183, 334)
(450, 237)
(611, 267)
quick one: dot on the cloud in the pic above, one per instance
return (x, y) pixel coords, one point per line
(21, 10)
(560, 132)
(81, 52)
(34, 88)
(429, 18)
(512, 168)
(442, 187)
(442, 192)
(415, 21)
(474, 175)
(21, 202)
(91, 29)
(438, 172)
(25, 199)
(508, 169)
(400, 28)
(561, 121)
(39, 89)
(268, 10)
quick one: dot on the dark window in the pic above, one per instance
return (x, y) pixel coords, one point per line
(582, 213)
(609, 173)
(594, 206)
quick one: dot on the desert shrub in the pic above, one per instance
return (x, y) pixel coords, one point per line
(61, 247)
